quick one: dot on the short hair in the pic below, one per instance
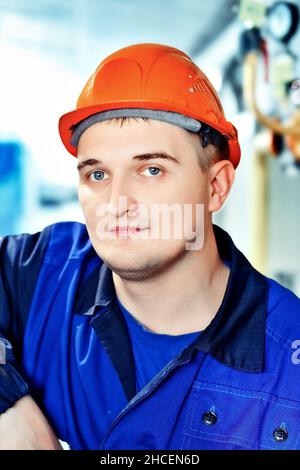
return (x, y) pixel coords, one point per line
(215, 147)
(214, 144)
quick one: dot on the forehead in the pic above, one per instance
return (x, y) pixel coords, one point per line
(134, 136)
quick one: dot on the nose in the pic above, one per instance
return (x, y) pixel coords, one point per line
(120, 199)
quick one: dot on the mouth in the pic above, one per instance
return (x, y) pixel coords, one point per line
(127, 229)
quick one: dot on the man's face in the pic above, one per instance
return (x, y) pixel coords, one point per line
(124, 181)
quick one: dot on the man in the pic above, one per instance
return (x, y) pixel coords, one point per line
(118, 336)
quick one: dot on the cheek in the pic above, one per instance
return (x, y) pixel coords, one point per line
(190, 188)
(199, 191)
(89, 202)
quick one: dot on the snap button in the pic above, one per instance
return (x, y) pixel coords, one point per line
(209, 418)
(280, 434)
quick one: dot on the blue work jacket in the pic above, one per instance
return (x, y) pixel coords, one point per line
(236, 386)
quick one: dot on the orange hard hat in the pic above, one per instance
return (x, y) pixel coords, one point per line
(151, 76)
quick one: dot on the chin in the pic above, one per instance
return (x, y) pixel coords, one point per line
(132, 271)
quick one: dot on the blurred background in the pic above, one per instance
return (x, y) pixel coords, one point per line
(250, 51)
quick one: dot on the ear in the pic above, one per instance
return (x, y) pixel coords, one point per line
(221, 178)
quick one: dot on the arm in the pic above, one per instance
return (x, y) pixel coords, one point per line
(24, 427)
(22, 424)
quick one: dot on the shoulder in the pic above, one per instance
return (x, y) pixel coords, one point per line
(282, 354)
(68, 240)
(72, 234)
(55, 242)
(283, 317)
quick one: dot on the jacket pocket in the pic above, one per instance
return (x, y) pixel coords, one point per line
(224, 417)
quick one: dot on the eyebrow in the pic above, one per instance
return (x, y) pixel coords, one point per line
(143, 156)
(88, 162)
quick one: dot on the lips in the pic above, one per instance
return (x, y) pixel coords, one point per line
(128, 229)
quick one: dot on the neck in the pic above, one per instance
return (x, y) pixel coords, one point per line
(185, 298)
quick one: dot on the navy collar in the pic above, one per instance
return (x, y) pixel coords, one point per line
(236, 335)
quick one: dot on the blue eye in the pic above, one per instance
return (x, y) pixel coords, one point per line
(155, 172)
(96, 175)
